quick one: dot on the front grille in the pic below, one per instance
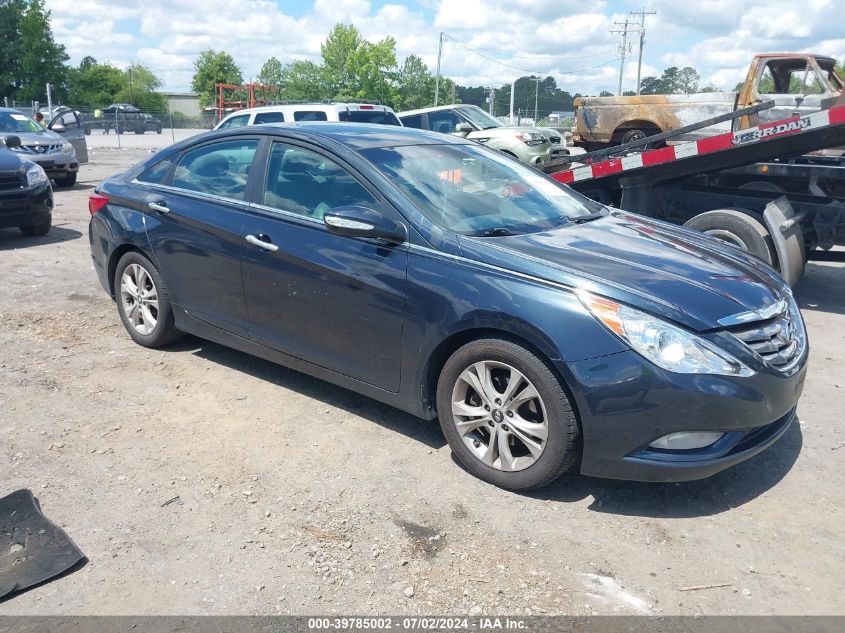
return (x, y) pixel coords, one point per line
(777, 341)
(11, 180)
(554, 139)
(42, 149)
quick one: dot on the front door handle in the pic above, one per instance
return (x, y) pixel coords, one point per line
(256, 240)
(158, 206)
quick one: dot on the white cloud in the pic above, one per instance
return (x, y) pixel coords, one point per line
(568, 39)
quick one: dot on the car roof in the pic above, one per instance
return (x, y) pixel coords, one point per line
(356, 136)
(284, 107)
(436, 109)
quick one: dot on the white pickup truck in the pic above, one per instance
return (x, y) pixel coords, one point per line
(796, 82)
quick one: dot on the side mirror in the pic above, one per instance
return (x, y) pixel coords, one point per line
(13, 141)
(58, 128)
(356, 221)
(463, 129)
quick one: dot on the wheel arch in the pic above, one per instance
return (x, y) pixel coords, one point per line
(635, 124)
(523, 335)
(115, 256)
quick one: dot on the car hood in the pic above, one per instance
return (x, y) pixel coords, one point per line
(9, 161)
(505, 130)
(44, 137)
(660, 268)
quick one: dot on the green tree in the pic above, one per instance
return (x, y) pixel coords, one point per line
(140, 89)
(271, 73)
(840, 69)
(302, 80)
(415, 84)
(95, 85)
(29, 56)
(211, 68)
(674, 80)
(338, 53)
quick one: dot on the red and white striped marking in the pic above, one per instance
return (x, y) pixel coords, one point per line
(761, 133)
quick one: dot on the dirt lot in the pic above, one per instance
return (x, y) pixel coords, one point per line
(202, 480)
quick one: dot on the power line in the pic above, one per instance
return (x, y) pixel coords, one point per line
(532, 55)
(642, 13)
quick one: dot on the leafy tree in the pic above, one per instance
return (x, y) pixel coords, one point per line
(140, 89)
(672, 81)
(304, 81)
(840, 69)
(338, 53)
(271, 73)
(415, 84)
(549, 97)
(29, 56)
(94, 84)
(211, 68)
(356, 69)
(605, 93)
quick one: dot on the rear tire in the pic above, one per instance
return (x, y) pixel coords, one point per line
(143, 301)
(740, 228)
(505, 444)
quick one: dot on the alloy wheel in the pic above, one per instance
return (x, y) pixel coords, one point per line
(499, 415)
(140, 299)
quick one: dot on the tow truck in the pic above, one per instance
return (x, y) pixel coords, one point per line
(775, 189)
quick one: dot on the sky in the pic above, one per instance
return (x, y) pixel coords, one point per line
(486, 42)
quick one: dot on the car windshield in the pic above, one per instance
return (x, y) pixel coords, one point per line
(472, 190)
(369, 116)
(479, 118)
(17, 122)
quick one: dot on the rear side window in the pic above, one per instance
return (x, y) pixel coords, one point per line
(414, 120)
(269, 117)
(310, 115)
(369, 116)
(219, 169)
(157, 173)
(235, 121)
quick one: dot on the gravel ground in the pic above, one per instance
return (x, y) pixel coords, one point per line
(200, 480)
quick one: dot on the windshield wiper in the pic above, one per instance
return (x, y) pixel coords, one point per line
(496, 231)
(580, 219)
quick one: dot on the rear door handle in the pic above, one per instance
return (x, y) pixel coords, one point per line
(158, 206)
(256, 240)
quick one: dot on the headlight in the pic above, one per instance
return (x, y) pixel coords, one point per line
(531, 138)
(35, 175)
(664, 344)
(67, 147)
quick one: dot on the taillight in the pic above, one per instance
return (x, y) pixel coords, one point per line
(366, 107)
(96, 202)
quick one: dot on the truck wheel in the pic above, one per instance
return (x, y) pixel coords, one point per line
(740, 228)
(68, 180)
(36, 230)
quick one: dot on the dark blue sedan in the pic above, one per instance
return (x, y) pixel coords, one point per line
(545, 331)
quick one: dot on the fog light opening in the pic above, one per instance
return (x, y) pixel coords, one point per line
(685, 441)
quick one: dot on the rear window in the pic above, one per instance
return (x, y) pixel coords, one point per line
(310, 115)
(269, 117)
(369, 116)
(414, 120)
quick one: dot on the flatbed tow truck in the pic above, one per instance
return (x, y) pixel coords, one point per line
(768, 189)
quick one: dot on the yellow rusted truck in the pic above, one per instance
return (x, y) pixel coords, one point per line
(796, 82)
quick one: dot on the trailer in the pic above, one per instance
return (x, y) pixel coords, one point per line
(767, 189)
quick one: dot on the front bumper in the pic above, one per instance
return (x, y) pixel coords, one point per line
(625, 403)
(21, 207)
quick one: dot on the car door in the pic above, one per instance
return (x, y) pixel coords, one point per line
(70, 126)
(194, 224)
(335, 301)
(796, 90)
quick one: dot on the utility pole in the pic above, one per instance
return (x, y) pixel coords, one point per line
(622, 50)
(513, 91)
(642, 13)
(536, 92)
(491, 99)
(49, 101)
(437, 77)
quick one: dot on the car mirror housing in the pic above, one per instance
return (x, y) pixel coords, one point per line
(58, 127)
(358, 221)
(463, 128)
(12, 141)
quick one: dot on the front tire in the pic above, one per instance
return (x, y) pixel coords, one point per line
(37, 230)
(506, 415)
(143, 301)
(68, 180)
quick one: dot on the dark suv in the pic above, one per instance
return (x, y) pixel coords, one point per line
(26, 198)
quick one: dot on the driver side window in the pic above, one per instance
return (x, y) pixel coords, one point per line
(304, 182)
(443, 121)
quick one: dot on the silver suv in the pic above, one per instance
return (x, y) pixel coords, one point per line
(287, 113)
(528, 144)
(58, 150)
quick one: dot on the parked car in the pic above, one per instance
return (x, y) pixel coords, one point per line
(48, 148)
(124, 117)
(286, 113)
(546, 331)
(528, 144)
(556, 140)
(26, 199)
